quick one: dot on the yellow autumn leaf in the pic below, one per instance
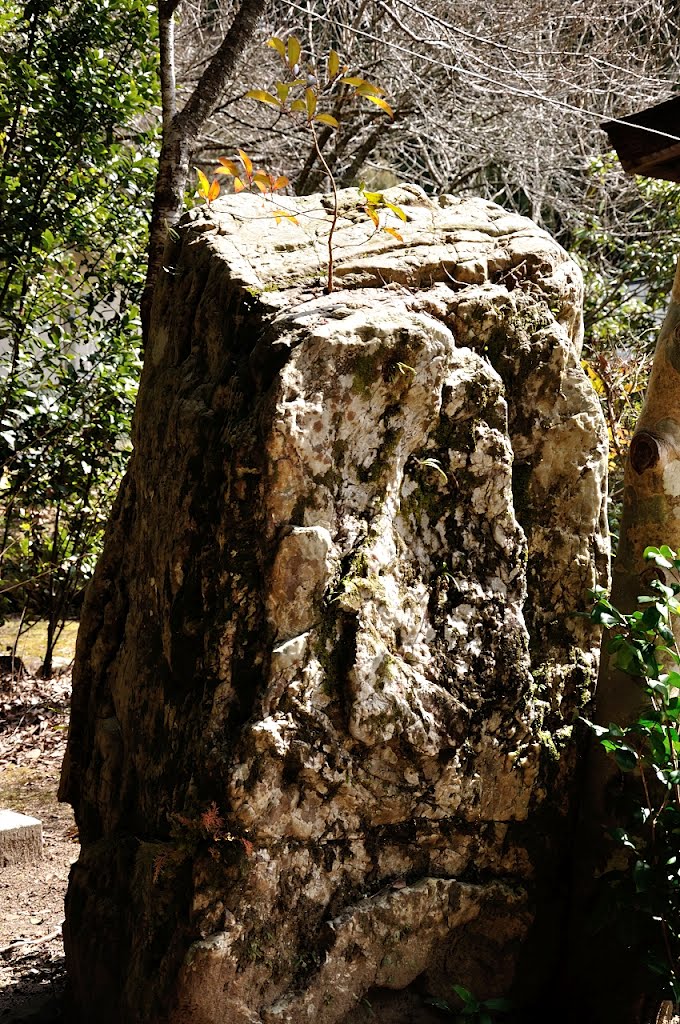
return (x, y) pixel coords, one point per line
(278, 45)
(380, 102)
(279, 215)
(293, 52)
(327, 119)
(238, 185)
(298, 107)
(394, 233)
(228, 167)
(203, 183)
(280, 182)
(262, 96)
(333, 64)
(396, 210)
(368, 89)
(310, 101)
(247, 162)
(371, 197)
(214, 190)
(594, 377)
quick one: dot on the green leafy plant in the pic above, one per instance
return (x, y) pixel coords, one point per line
(644, 893)
(479, 1011)
(298, 99)
(77, 85)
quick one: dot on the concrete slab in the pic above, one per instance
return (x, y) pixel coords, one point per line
(20, 839)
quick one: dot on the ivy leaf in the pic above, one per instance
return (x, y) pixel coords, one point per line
(626, 759)
(48, 240)
(643, 874)
(659, 557)
(464, 993)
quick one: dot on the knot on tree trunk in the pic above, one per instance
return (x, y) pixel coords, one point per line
(645, 451)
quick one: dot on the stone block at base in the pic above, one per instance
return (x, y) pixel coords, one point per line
(20, 839)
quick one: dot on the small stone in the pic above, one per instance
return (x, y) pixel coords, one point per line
(20, 839)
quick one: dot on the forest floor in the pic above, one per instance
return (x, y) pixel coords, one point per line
(33, 727)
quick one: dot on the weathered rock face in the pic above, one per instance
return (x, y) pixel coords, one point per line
(331, 657)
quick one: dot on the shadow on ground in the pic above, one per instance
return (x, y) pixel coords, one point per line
(36, 993)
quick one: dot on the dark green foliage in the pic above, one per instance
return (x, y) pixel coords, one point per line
(641, 895)
(77, 166)
(627, 249)
(473, 1010)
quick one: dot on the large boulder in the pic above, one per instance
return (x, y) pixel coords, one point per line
(330, 662)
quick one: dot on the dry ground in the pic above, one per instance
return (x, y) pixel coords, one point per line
(33, 723)
(33, 718)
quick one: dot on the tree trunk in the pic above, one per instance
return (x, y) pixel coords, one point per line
(168, 200)
(611, 980)
(181, 129)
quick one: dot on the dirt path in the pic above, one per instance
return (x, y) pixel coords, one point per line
(33, 720)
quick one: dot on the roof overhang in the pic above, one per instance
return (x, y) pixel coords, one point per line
(649, 142)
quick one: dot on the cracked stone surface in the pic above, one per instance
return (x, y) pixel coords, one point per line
(331, 658)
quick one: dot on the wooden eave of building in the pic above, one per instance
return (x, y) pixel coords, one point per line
(648, 142)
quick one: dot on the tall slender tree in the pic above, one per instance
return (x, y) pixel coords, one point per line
(608, 970)
(182, 127)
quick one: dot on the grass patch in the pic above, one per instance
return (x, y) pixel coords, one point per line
(32, 642)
